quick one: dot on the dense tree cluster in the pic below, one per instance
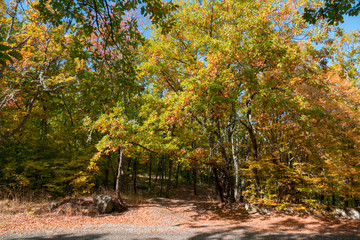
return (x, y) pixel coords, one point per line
(241, 95)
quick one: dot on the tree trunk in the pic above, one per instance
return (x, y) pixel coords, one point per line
(219, 189)
(119, 173)
(235, 150)
(134, 174)
(158, 171)
(194, 181)
(150, 164)
(169, 180)
(254, 146)
(177, 175)
(162, 176)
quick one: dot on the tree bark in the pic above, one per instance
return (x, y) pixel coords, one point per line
(150, 165)
(177, 175)
(134, 174)
(254, 146)
(194, 181)
(169, 180)
(235, 153)
(162, 176)
(218, 185)
(119, 173)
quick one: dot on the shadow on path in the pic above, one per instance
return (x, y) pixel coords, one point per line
(275, 236)
(62, 237)
(202, 208)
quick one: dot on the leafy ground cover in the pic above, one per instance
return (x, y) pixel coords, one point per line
(186, 211)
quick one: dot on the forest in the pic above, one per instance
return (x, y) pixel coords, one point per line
(246, 97)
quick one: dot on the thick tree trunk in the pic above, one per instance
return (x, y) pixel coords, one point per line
(254, 146)
(218, 186)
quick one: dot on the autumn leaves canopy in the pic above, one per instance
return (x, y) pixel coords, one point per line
(244, 91)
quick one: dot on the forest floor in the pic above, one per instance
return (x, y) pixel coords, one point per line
(184, 217)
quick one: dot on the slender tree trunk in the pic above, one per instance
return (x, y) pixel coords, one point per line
(158, 171)
(119, 173)
(150, 164)
(169, 180)
(194, 181)
(162, 176)
(134, 175)
(356, 202)
(177, 175)
(234, 149)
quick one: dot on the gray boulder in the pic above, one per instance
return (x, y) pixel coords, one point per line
(352, 213)
(257, 209)
(251, 208)
(339, 213)
(104, 203)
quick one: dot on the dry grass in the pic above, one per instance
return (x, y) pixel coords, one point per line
(16, 206)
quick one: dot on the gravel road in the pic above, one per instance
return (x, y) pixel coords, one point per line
(178, 219)
(127, 231)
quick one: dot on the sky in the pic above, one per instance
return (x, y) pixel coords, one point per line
(351, 23)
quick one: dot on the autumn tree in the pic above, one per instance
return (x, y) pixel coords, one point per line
(34, 85)
(238, 73)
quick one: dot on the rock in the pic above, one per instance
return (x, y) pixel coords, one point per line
(257, 209)
(90, 211)
(352, 213)
(265, 211)
(68, 209)
(251, 208)
(54, 205)
(103, 203)
(339, 213)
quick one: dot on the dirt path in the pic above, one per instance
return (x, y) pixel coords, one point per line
(177, 219)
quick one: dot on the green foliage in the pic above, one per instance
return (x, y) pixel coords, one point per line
(332, 11)
(234, 92)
